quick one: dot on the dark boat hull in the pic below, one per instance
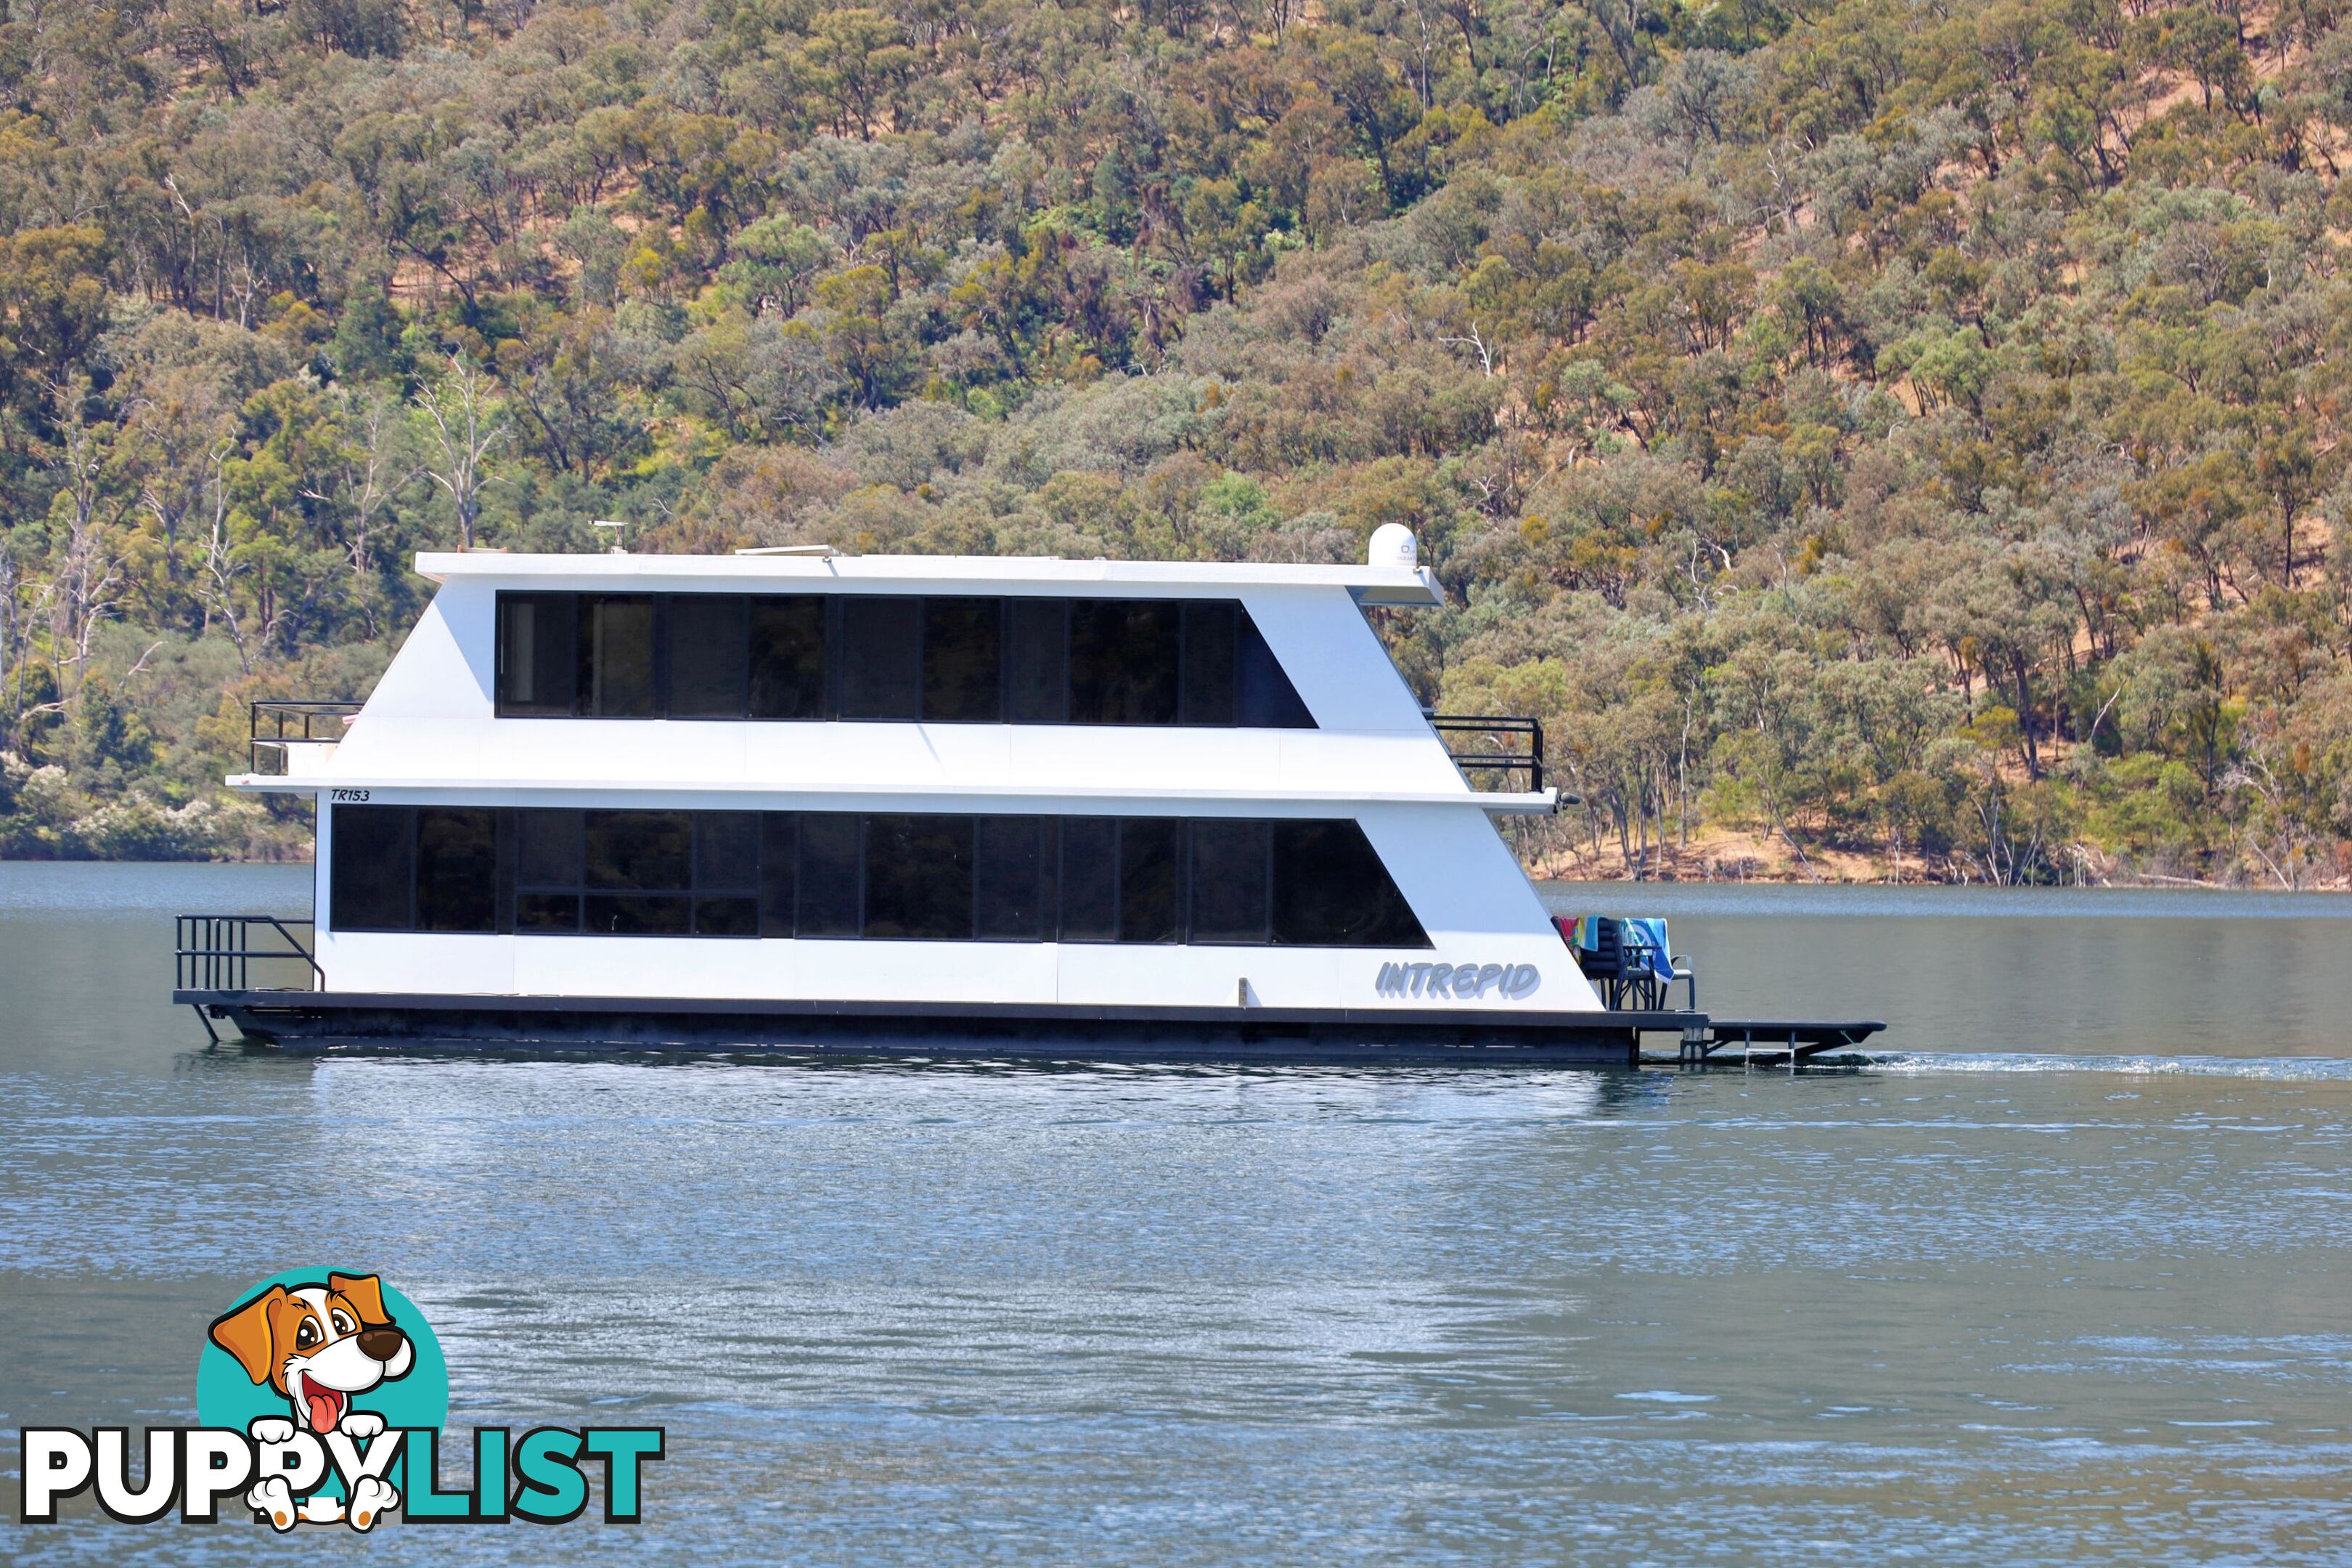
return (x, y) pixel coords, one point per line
(318, 1020)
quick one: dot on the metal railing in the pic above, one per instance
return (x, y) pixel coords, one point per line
(278, 722)
(218, 952)
(1493, 749)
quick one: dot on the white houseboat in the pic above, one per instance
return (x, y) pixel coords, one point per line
(874, 803)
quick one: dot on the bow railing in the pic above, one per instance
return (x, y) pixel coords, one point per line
(222, 952)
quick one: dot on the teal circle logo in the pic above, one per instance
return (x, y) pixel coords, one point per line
(313, 1346)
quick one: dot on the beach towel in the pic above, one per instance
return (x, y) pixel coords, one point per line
(1643, 936)
(1645, 940)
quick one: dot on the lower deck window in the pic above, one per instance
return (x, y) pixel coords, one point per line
(901, 877)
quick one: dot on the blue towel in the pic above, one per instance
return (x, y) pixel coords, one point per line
(1648, 933)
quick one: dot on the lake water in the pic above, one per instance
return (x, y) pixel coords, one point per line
(2063, 1278)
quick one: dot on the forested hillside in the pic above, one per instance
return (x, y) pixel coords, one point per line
(1875, 437)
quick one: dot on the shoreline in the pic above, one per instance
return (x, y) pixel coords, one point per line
(1559, 874)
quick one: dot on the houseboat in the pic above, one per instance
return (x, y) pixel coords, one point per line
(877, 803)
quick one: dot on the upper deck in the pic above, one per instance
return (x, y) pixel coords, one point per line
(1310, 709)
(817, 571)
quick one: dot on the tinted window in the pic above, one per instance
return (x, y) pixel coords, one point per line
(708, 656)
(726, 917)
(371, 880)
(617, 655)
(881, 657)
(548, 871)
(549, 852)
(1331, 890)
(639, 914)
(639, 849)
(829, 878)
(787, 656)
(457, 868)
(1089, 879)
(919, 877)
(1230, 880)
(1013, 886)
(1037, 662)
(544, 912)
(726, 851)
(963, 664)
(1123, 661)
(1264, 697)
(1150, 876)
(949, 659)
(893, 876)
(780, 853)
(537, 655)
(726, 873)
(1207, 694)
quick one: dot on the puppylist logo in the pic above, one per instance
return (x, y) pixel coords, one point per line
(321, 1397)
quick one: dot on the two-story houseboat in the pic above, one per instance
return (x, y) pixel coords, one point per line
(845, 803)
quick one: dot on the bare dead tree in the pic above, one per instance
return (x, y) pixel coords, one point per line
(370, 471)
(1475, 341)
(221, 565)
(465, 425)
(90, 578)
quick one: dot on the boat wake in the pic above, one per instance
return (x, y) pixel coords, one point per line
(2317, 1070)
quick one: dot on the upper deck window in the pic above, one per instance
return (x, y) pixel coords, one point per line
(935, 659)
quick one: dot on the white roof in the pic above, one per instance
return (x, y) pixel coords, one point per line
(1034, 574)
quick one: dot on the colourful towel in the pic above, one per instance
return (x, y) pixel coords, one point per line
(1643, 936)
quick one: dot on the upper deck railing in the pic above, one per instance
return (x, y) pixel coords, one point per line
(280, 722)
(1489, 747)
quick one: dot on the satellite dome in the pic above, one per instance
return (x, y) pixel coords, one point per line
(1392, 545)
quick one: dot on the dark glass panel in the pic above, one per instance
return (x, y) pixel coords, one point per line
(963, 664)
(506, 852)
(1037, 662)
(457, 868)
(650, 849)
(639, 914)
(1208, 685)
(372, 877)
(547, 911)
(549, 855)
(1331, 890)
(726, 917)
(1264, 697)
(829, 876)
(919, 877)
(780, 853)
(537, 661)
(881, 657)
(1089, 879)
(617, 655)
(708, 663)
(1149, 878)
(787, 657)
(1123, 658)
(1229, 889)
(726, 851)
(1011, 881)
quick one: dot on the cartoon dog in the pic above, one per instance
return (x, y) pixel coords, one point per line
(319, 1345)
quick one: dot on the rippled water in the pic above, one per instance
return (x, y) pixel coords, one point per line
(2062, 1279)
